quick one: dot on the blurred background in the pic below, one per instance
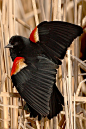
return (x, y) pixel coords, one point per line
(19, 17)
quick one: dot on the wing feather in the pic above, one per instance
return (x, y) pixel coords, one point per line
(35, 83)
(56, 36)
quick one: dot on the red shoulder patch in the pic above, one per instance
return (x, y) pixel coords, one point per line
(34, 37)
(18, 64)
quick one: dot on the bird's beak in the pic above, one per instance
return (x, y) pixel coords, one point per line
(9, 46)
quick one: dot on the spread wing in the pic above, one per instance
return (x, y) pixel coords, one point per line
(55, 37)
(34, 81)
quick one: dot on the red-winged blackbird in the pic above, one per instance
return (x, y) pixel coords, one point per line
(35, 62)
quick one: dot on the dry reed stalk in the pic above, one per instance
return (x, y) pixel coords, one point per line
(62, 123)
(22, 13)
(9, 94)
(80, 121)
(79, 14)
(35, 12)
(76, 48)
(6, 53)
(79, 60)
(6, 105)
(10, 22)
(58, 123)
(29, 127)
(79, 99)
(74, 113)
(31, 14)
(70, 6)
(37, 123)
(51, 2)
(21, 8)
(46, 126)
(15, 111)
(43, 17)
(22, 22)
(14, 21)
(55, 13)
(14, 15)
(65, 11)
(59, 10)
(42, 123)
(51, 124)
(82, 67)
(55, 126)
(25, 121)
(79, 87)
(46, 9)
(70, 89)
(15, 100)
(65, 92)
(78, 124)
(64, 72)
(5, 109)
(3, 12)
(81, 74)
(82, 83)
(19, 125)
(10, 18)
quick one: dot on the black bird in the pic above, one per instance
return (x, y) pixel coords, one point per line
(35, 60)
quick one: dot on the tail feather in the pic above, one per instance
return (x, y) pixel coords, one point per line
(33, 113)
(56, 102)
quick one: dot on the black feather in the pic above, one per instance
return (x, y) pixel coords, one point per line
(35, 86)
(36, 81)
(56, 36)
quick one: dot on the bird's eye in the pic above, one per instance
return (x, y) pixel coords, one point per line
(16, 43)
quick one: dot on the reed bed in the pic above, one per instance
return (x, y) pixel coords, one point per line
(19, 17)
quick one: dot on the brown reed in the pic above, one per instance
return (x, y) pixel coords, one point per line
(20, 17)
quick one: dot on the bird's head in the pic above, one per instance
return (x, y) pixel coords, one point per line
(16, 45)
